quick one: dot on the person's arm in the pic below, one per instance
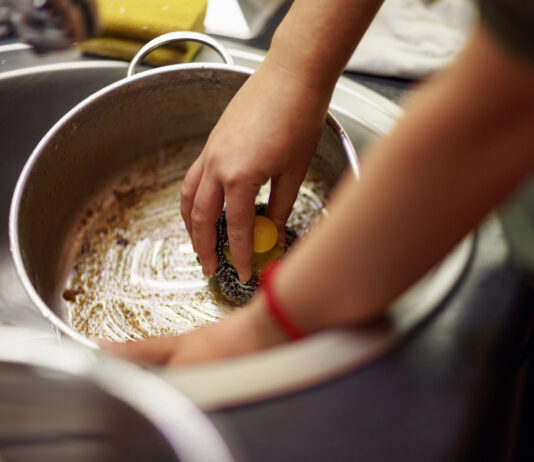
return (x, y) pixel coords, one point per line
(465, 143)
(271, 127)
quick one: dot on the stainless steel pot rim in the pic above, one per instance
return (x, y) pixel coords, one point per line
(58, 67)
(28, 167)
(188, 431)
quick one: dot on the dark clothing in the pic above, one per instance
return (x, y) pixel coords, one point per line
(512, 22)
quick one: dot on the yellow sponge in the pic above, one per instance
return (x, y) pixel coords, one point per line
(126, 25)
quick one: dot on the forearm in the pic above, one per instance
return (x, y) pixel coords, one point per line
(463, 147)
(317, 38)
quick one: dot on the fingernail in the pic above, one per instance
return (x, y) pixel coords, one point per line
(208, 270)
(244, 279)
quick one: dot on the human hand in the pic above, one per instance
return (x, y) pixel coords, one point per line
(245, 332)
(268, 131)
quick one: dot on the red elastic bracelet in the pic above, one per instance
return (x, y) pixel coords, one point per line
(276, 310)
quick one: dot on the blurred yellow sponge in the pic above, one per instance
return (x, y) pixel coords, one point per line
(126, 25)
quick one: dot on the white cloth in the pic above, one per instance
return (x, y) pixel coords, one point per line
(411, 38)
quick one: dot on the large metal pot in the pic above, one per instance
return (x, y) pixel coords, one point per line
(64, 166)
(107, 131)
(66, 403)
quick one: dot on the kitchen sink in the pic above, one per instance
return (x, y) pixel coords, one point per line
(34, 97)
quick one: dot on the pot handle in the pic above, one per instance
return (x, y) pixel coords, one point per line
(173, 37)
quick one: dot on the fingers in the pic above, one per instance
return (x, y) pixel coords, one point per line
(240, 212)
(284, 190)
(201, 205)
(156, 350)
(206, 210)
(202, 200)
(188, 192)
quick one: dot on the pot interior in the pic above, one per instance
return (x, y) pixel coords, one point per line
(104, 140)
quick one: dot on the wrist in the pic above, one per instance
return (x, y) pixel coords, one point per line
(277, 310)
(268, 331)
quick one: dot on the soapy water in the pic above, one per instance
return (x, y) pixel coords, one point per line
(136, 274)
